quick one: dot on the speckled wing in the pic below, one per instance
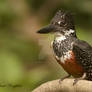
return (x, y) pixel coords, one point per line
(83, 54)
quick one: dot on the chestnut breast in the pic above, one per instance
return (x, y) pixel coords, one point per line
(71, 66)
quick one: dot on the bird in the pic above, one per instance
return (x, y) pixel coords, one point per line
(73, 54)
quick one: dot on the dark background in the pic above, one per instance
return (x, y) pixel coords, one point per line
(26, 59)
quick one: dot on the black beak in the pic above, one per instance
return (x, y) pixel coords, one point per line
(47, 29)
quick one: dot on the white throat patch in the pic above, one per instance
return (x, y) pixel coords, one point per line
(60, 37)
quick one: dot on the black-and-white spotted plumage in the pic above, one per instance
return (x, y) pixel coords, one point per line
(66, 41)
(83, 53)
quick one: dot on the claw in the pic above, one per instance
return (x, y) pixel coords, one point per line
(81, 78)
(64, 78)
(75, 81)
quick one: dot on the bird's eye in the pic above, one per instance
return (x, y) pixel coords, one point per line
(62, 23)
(56, 23)
(59, 22)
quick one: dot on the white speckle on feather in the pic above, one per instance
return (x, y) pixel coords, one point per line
(59, 22)
(60, 37)
(65, 57)
(69, 32)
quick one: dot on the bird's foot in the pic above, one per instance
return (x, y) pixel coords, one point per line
(76, 80)
(81, 78)
(64, 78)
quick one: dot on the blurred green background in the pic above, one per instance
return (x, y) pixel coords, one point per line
(26, 59)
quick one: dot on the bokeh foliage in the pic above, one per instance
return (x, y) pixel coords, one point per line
(20, 57)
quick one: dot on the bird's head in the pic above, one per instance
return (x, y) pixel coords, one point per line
(62, 23)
